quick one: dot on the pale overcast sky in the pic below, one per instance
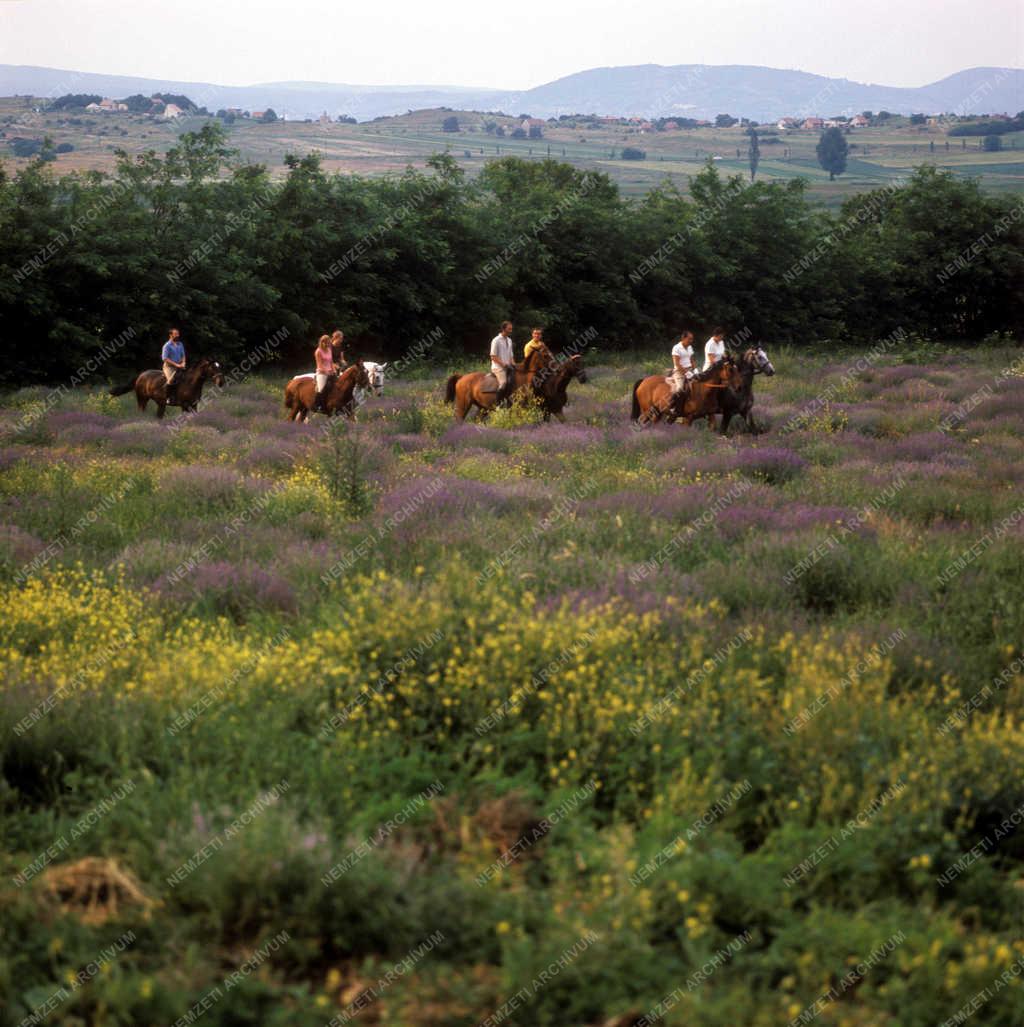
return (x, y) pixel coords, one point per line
(506, 45)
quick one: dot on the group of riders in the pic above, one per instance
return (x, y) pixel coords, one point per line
(505, 378)
(328, 357)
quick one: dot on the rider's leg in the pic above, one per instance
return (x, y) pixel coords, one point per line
(321, 385)
(680, 391)
(171, 380)
(502, 374)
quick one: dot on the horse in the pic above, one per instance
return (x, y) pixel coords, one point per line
(467, 390)
(152, 385)
(375, 373)
(551, 382)
(652, 396)
(740, 400)
(339, 393)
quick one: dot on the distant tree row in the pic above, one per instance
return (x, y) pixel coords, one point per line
(74, 101)
(988, 126)
(196, 239)
(137, 103)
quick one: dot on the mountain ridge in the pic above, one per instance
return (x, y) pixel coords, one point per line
(759, 92)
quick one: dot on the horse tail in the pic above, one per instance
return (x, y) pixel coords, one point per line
(635, 412)
(449, 388)
(121, 390)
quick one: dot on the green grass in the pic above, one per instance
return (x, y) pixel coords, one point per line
(483, 682)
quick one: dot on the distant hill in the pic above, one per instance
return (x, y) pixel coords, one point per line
(647, 90)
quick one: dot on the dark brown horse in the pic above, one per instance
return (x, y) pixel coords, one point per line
(741, 399)
(550, 384)
(467, 390)
(653, 400)
(300, 393)
(151, 385)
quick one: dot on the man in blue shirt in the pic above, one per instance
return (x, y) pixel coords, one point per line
(173, 356)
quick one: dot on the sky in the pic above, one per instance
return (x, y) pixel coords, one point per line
(506, 45)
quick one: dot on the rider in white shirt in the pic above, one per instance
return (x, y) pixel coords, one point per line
(714, 349)
(682, 361)
(502, 359)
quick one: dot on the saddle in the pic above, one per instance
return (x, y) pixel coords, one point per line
(490, 383)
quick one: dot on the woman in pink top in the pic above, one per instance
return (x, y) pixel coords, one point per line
(324, 369)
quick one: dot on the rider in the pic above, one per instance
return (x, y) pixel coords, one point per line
(536, 343)
(682, 365)
(502, 365)
(338, 348)
(714, 349)
(173, 357)
(324, 370)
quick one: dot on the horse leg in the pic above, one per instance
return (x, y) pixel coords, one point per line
(160, 408)
(560, 416)
(726, 418)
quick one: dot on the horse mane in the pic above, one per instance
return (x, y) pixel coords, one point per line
(195, 369)
(348, 377)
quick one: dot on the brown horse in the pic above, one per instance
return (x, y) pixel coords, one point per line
(550, 384)
(151, 385)
(652, 396)
(300, 393)
(466, 390)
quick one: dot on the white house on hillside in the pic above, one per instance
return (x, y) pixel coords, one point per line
(172, 110)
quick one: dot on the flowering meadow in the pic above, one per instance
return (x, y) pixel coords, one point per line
(413, 723)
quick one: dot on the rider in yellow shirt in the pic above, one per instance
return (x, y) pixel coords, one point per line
(536, 342)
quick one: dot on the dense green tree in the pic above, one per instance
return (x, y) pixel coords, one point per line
(138, 104)
(754, 153)
(450, 124)
(74, 101)
(937, 257)
(832, 150)
(195, 238)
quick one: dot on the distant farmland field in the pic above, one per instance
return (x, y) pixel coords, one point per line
(878, 154)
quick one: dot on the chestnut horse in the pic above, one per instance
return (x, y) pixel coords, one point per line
(551, 382)
(466, 392)
(300, 393)
(151, 385)
(652, 396)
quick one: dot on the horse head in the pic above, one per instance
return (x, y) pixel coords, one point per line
(209, 369)
(375, 373)
(762, 365)
(576, 368)
(727, 373)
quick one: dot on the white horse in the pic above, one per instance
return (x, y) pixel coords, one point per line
(375, 372)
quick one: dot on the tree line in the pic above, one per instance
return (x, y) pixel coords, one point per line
(193, 238)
